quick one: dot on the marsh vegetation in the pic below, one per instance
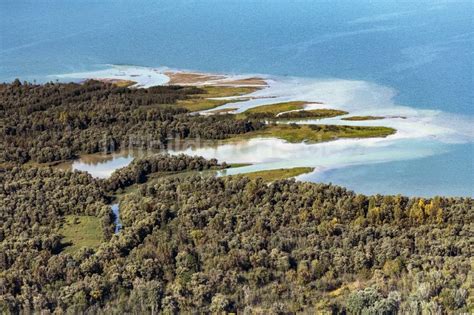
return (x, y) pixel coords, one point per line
(296, 133)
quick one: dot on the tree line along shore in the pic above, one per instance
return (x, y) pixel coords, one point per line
(54, 122)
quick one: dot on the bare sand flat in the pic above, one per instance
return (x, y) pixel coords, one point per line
(193, 78)
(188, 78)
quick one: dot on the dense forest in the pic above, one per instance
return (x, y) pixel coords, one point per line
(201, 244)
(204, 244)
(56, 121)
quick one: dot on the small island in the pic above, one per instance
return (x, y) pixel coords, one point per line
(319, 113)
(290, 110)
(278, 174)
(361, 118)
(296, 133)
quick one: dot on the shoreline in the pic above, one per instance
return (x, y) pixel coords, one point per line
(420, 133)
(371, 99)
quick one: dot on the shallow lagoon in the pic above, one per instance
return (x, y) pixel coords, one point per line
(99, 165)
(334, 162)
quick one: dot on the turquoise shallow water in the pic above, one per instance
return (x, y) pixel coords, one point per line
(423, 49)
(408, 177)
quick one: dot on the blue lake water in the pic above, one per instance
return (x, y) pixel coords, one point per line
(423, 49)
(436, 175)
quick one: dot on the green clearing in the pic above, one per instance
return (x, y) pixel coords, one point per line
(360, 118)
(319, 113)
(282, 173)
(81, 231)
(201, 102)
(315, 133)
(235, 165)
(270, 111)
(227, 91)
